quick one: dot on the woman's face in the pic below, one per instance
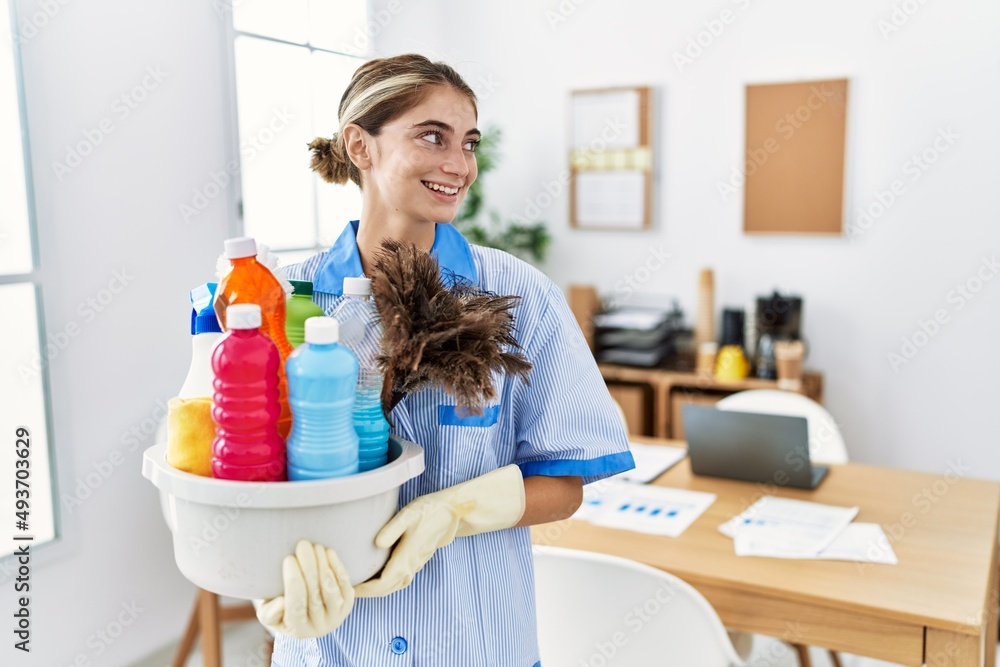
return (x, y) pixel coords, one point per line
(424, 161)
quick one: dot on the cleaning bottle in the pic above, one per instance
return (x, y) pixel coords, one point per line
(249, 281)
(245, 405)
(322, 376)
(361, 331)
(189, 429)
(300, 307)
(205, 333)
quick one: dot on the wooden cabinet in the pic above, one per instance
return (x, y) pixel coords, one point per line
(651, 398)
(636, 401)
(678, 399)
(654, 397)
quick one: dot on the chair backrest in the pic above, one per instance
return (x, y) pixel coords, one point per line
(600, 611)
(826, 445)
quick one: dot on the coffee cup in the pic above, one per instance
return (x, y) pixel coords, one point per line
(788, 357)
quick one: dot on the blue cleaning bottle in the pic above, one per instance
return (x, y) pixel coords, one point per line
(361, 331)
(205, 333)
(322, 376)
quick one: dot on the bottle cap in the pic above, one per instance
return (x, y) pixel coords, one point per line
(301, 287)
(237, 248)
(243, 316)
(203, 317)
(357, 286)
(322, 330)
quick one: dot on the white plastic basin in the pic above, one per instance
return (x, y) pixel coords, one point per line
(230, 537)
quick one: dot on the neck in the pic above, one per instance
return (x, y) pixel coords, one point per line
(374, 227)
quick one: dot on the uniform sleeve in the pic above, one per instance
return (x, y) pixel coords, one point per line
(565, 421)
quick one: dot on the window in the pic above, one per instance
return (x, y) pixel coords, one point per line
(292, 61)
(27, 490)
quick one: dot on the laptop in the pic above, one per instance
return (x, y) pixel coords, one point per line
(749, 446)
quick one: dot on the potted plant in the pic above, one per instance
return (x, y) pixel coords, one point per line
(527, 241)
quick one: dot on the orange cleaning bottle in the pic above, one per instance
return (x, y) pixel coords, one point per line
(249, 281)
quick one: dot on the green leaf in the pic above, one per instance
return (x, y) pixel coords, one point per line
(525, 241)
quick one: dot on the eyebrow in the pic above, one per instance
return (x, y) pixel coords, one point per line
(444, 126)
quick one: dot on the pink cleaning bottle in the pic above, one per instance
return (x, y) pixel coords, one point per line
(245, 403)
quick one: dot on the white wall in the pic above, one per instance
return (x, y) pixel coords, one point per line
(118, 210)
(939, 70)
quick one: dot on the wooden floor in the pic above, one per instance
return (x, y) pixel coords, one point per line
(243, 646)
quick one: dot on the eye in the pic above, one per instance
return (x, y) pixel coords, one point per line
(471, 144)
(432, 133)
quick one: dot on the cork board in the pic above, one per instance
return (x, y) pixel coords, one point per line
(795, 157)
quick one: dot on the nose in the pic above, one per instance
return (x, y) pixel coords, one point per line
(456, 163)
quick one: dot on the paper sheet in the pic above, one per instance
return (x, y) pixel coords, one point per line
(862, 542)
(609, 119)
(786, 528)
(595, 497)
(656, 510)
(642, 319)
(651, 461)
(610, 198)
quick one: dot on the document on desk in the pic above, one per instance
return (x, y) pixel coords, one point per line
(651, 461)
(656, 510)
(862, 542)
(786, 528)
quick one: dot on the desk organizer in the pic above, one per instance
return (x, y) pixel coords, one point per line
(230, 537)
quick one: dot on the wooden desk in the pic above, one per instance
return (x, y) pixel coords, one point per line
(938, 605)
(671, 389)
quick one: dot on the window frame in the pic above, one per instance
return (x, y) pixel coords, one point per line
(57, 471)
(234, 193)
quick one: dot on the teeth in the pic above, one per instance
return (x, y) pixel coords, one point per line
(441, 188)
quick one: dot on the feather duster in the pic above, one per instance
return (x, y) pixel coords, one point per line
(454, 336)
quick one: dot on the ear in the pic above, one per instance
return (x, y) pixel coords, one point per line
(358, 144)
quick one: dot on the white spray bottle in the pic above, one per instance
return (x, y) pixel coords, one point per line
(205, 332)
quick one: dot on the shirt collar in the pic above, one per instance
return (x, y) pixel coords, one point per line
(450, 249)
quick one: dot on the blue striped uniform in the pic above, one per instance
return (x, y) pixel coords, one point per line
(473, 604)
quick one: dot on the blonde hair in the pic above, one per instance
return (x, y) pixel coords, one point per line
(380, 91)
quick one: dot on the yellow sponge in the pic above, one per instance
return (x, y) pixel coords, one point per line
(190, 431)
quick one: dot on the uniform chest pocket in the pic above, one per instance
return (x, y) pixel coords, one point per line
(448, 415)
(467, 444)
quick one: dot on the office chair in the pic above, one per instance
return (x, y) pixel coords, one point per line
(598, 609)
(826, 445)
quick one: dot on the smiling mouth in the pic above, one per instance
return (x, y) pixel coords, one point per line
(443, 189)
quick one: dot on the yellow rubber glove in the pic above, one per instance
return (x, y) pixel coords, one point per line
(318, 594)
(489, 502)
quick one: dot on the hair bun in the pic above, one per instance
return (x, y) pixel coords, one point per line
(328, 160)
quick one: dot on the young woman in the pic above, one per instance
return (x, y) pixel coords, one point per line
(458, 590)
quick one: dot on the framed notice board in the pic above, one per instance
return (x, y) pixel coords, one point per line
(611, 159)
(794, 156)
